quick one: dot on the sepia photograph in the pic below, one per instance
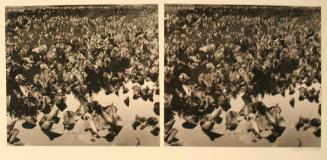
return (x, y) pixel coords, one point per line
(242, 75)
(81, 75)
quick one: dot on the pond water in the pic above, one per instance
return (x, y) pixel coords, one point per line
(78, 136)
(290, 137)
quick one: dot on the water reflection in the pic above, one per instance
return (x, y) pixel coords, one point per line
(220, 136)
(79, 136)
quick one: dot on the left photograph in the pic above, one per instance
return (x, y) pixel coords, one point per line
(82, 75)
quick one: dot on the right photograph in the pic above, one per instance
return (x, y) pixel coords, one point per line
(242, 76)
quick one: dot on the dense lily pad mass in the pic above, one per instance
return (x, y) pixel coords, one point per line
(216, 54)
(53, 52)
